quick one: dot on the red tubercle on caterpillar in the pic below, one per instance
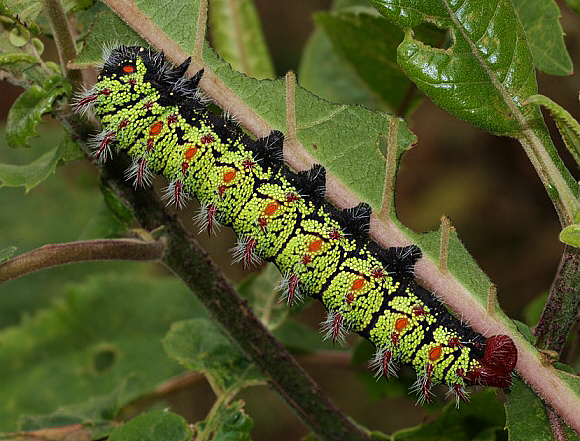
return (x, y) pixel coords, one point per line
(306, 259)
(206, 139)
(292, 197)
(378, 273)
(184, 168)
(245, 252)
(150, 143)
(132, 81)
(335, 234)
(292, 288)
(123, 124)
(148, 105)
(419, 311)
(349, 297)
(454, 342)
(248, 164)
(334, 327)
(171, 119)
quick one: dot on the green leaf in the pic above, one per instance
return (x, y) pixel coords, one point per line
(201, 345)
(32, 174)
(229, 423)
(236, 35)
(86, 344)
(570, 235)
(159, 425)
(27, 110)
(95, 412)
(368, 43)
(541, 21)
(526, 416)
(325, 74)
(478, 420)
(567, 125)
(7, 253)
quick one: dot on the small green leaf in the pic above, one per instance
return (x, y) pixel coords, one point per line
(21, 60)
(32, 174)
(541, 21)
(570, 235)
(229, 423)
(236, 35)
(7, 253)
(19, 36)
(201, 345)
(159, 425)
(27, 110)
(569, 128)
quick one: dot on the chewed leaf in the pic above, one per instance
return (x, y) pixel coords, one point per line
(486, 73)
(567, 125)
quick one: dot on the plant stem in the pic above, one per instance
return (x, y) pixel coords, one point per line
(561, 309)
(60, 254)
(63, 38)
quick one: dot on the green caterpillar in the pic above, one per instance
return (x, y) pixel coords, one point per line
(150, 110)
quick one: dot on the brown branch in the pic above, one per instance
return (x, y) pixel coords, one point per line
(64, 253)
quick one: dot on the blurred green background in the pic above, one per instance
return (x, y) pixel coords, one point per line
(484, 184)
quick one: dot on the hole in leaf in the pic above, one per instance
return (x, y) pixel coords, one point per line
(104, 359)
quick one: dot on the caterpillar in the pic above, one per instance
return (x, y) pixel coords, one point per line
(150, 110)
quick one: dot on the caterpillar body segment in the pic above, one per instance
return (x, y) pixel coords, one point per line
(148, 109)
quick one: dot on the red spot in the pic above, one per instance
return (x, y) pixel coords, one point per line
(271, 208)
(229, 176)
(172, 119)
(315, 246)
(206, 139)
(378, 273)
(292, 197)
(124, 123)
(335, 234)
(358, 284)
(401, 323)
(156, 128)
(349, 297)
(128, 69)
(184, 167)
(248, 164)
(150, 143)
(435, 353)
(419, 310)
(190, 153)
(306, 259)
